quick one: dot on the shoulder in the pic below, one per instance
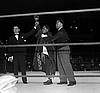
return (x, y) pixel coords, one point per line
(21, 34)
(63, 29)
(49, 32)
(11, 36)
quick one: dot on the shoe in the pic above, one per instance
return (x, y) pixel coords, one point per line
(71, 83)
(62, 83)
(48, 82)
(25, 82)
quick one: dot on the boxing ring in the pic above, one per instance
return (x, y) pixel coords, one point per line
(87, 81)
(85, 84)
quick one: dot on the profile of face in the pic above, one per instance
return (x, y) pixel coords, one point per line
(58, 24)
(44, 29)
(16, 30)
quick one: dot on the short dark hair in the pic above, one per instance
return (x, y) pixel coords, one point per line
(61, 20)
(47, 26)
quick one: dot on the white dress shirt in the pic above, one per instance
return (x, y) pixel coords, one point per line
(16, 37)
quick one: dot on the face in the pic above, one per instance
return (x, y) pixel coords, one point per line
(16, 30)
(44, 29)
(58, 24)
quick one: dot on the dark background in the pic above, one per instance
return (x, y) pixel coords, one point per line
(24, 6)
(84, 21)
(87, 23)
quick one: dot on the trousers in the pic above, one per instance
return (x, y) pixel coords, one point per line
(64, 65)
(19, 61)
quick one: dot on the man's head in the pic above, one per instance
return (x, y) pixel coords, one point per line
(16, 30)
(45, 28)
(59, 23)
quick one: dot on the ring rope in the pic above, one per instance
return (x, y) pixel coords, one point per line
(56, 75)
(59, 44)
(53, 12)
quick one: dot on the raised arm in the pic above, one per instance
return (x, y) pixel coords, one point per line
(39, 32)
(29, 33)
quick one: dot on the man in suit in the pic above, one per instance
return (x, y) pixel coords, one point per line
(63, 55)
(47, 52)
(17, 54)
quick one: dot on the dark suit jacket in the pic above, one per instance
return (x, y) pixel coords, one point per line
(61, 37)
(14, 41)
(45, 40)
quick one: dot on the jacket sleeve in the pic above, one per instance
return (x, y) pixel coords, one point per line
(29, 33)
(55, 37)
(49, 37)
(39, 32)
(67, 36)
(10, 49)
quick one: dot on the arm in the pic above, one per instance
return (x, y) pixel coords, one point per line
(29, 33)
(38, 34)
(9, 48)
(61, 34)
(67, 36)
(48, 38)
(55, 37)
(49, 34)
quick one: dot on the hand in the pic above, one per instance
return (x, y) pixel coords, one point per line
(10, 59)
